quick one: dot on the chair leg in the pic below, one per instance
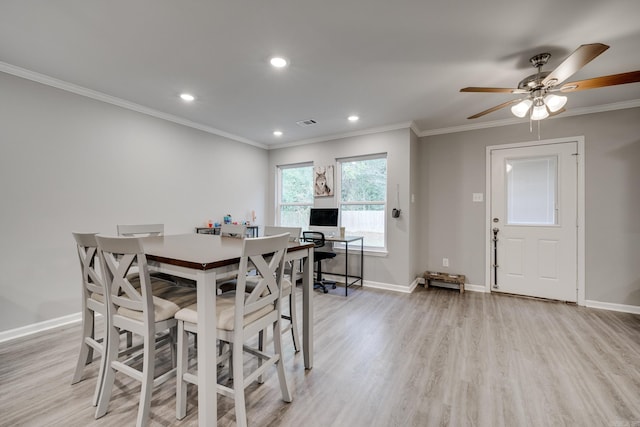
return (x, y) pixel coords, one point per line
(294, 319)
(182, 362)
(174, 341)
(282, 377)
(108, 372)
(148, 369)
(238, 382)
(85, 350)
(262, 343)
(318, 283)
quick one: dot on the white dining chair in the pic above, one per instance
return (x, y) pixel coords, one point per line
(140, 230)
(289, 284)
(92, 303)
(233, 230)
(226, 281)
(146, 230)
(142, 310)
(241, 316)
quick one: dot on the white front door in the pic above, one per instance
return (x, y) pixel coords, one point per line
(534, 220)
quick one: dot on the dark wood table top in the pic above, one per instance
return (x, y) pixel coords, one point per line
(200, 251)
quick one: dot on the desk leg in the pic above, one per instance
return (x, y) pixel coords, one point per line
(346, 268)
(307, 310)
(207, 378)
(362, 263)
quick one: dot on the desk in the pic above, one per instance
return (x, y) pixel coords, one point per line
(252, 230)
(347, 240)
(200, 257)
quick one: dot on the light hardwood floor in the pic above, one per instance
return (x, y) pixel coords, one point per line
(431, 358)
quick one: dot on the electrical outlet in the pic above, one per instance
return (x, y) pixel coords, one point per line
(445, 262)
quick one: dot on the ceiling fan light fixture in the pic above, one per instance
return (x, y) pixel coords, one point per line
(539, 111)
(522, 108)
(555, 102)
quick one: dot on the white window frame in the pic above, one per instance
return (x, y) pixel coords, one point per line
(279, 204)
(338, 184)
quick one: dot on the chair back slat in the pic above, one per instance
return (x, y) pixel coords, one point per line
(233, 230)
(87, 248)
(266, 255)
(130, 230)
(118, 255)
(294, 232)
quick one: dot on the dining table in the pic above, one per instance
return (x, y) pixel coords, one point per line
(202, 257)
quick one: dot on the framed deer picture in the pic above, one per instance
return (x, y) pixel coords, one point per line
(323, 181)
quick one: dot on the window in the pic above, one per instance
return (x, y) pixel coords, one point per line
(295, 195)
(363, 198)
(531, 191)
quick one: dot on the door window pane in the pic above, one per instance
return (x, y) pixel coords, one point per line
(531, 191)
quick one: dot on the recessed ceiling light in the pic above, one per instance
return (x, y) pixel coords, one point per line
(187, 97)
(353, 118)
(277, 133)
(278, 62)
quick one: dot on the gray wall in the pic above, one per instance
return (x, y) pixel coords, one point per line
(396, 267)
(70, 163)
(453, 167)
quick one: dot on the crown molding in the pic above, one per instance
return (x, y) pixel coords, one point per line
(396, 126)
(634, 103)
(99, 96)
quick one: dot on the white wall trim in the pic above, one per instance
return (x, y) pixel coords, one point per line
(391, 287)
(34, 328)
(99, 96)
(624, 308)
(475, 288)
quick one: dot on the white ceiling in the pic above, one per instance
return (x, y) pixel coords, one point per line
(390, 62)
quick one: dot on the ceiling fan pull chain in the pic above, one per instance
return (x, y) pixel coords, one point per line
(539, 129)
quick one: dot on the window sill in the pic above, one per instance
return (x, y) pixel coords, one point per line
(353, 250)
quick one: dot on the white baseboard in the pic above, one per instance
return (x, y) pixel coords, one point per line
(475, 288)
(377, 285)
(613, 306)
(391, 287)
(23, 331)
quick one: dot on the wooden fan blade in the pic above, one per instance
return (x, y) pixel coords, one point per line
(496, 108)
(560, 111)
(493, 90)
(596, 82)
(574, 62)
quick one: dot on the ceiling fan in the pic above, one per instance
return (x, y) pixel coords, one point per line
(540, 100)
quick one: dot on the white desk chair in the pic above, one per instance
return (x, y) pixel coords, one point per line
(140, 310)
(241, 316)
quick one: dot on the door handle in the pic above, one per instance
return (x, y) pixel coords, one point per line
(495, 255)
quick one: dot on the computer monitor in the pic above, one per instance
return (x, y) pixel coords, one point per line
(323, 217)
